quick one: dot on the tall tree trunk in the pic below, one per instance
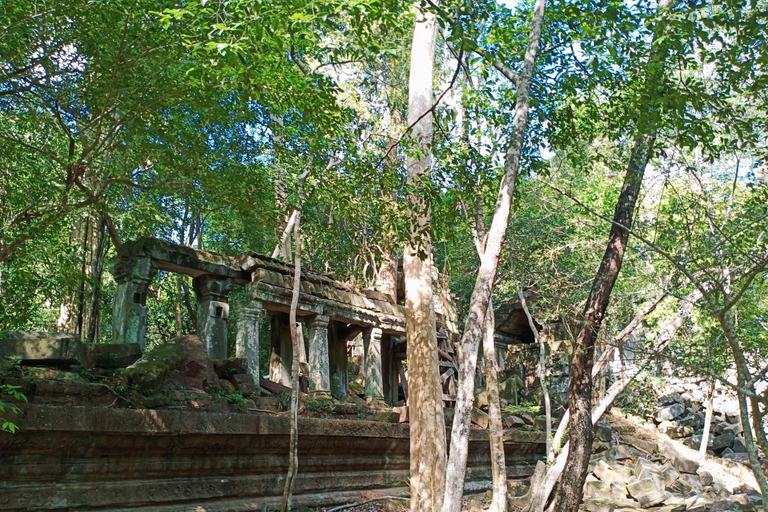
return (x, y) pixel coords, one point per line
(481, 295)
(495, 426)
(580, 382)
(744, 380)
(425, 404)
(293, 457)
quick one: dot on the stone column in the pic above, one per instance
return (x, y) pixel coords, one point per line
(374, 385)
(247, 340)
(281, 353)
(129, 319)
(213, 312)
(337, 360)
(319, 366)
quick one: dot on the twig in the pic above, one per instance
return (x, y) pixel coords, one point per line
(380, 498)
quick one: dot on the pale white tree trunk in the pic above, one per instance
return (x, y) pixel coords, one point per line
(495, 426)
(425, 405)
(707, 421)
(481, 295)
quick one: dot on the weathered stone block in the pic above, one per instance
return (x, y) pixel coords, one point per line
(647, 492)
(110, 355)
(669, 412)
(40, 347)
(226, 367)
(670, 474)
(723, 441)
(606, 473)
(244, 384)
(685, 464)
(227, 386)
(705, 477)
(603, 432)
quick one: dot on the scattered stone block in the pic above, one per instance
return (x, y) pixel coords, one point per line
(741, 458)
(722, 441)
(679, 431)
(647, 492)
(225, 368)
(705, 477)
(738, 445)
(603, 432)
(694, 482)
(244, 383)
(109, 355)
(670, 474)
(227, 386)
(622, 452)
(513, 421)
(735, 428)
(669, 413)
(685, 464)
(479, 418)
(680, 487)
(606, 473)
(597, 505)
(540, 423)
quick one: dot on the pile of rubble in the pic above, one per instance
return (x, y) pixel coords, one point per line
(682, 417)
(644, 470)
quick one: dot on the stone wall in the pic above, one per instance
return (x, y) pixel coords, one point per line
(88, 458)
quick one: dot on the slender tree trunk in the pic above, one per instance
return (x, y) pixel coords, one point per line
(707, 421)
(495, 426)
(97, 275)
(177, 307)
(425, 404)
(542, 370)
(580, 382)
(481, 295)
(293, 457)
(725, 318)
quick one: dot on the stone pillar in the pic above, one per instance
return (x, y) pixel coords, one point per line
(337, 362)
(213, 312)
(319, 367)
(247, 340)
(129, 319)
(281, 353)
(374, 385)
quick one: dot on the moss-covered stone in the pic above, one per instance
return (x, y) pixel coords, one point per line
(155, 369)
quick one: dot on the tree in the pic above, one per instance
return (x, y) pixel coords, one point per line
(481, 295)
(425, 401)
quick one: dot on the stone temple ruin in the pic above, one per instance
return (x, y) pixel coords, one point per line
(80, 448)
(334, 313)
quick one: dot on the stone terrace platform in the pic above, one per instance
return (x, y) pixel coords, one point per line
(96, 458)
